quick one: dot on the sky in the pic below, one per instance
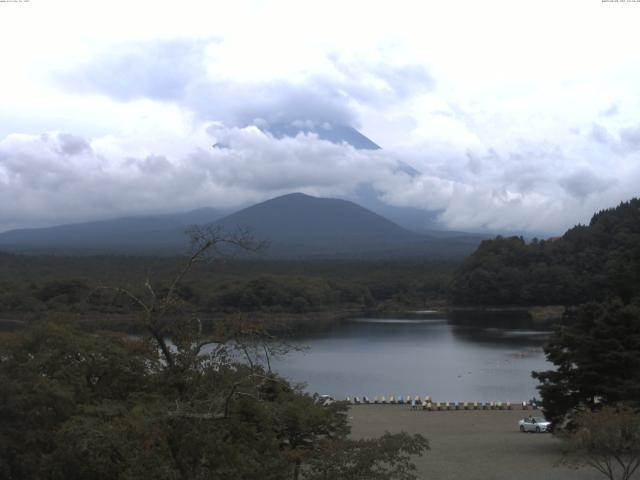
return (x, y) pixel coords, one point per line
(518, 115)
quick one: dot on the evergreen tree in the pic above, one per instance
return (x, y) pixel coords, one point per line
(596, 358)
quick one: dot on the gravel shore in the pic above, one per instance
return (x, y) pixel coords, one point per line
(468, 445)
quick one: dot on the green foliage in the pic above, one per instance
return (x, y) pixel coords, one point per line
(587, 263)
(608, 440)
(46, 285)
(69, 291)
(50, 372)
(597, 355)
(296, 294)
(379, 459)
(76, 405)
(172, 404)
(596, 359)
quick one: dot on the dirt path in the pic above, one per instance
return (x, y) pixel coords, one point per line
(470, 445)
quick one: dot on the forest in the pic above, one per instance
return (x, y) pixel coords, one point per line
(37, 286)
(594, 270)
(79, 405)
(589, 262)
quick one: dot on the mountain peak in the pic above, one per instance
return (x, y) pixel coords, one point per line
(293, 196)
(303, 219)
(334, 133)
(295, 225)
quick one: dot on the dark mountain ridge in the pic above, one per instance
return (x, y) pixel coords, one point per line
(295, 225)
(134, 234)
(298, 218)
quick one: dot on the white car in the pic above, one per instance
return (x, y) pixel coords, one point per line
(534, 424)
(325, 400)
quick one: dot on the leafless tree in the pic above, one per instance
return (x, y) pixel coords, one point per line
(608, 440)
(156, 308)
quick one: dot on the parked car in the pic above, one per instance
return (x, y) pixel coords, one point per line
(325, 400)
(534, 424)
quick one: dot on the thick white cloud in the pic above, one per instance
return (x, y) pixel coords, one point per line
(518, 117)
(56, 177)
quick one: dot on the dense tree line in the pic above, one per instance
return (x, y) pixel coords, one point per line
(592, 262)
(596, 350)
(42, 285)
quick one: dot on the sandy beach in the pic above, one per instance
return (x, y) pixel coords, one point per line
(468, 445)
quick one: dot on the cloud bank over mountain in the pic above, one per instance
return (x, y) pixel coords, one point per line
(502, 135)
(56, 178)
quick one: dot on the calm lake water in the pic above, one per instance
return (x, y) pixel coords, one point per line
(425, 354)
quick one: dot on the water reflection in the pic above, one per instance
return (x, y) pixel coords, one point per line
(386, 321)
(422, 353)
(493, 335)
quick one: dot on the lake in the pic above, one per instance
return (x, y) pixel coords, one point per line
(423, 353)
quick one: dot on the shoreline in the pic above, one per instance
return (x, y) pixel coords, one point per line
(294, 324)
(298, 323)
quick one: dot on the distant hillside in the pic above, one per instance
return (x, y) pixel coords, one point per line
(298, 225)
(127, 234)
(301, 219)
(294, 225)
(591, 262)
